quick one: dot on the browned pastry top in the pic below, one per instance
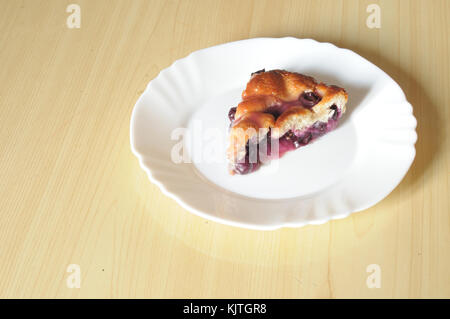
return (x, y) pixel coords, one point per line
(281, 84)
(271, 88)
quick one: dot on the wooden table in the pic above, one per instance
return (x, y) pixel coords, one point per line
(71, 192)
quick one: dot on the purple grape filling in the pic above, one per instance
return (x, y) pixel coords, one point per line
(293, 140)
(309, 99)
(247, 166)
(232, 113)
(336, 112)
(289, 141)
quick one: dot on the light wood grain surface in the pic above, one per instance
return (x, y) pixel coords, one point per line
(71, 192)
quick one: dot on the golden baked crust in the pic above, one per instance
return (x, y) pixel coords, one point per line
(284, 85)
(287, 94)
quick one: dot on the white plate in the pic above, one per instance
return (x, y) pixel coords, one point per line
(347, 170)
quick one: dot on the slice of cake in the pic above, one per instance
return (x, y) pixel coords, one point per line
(287, 106)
